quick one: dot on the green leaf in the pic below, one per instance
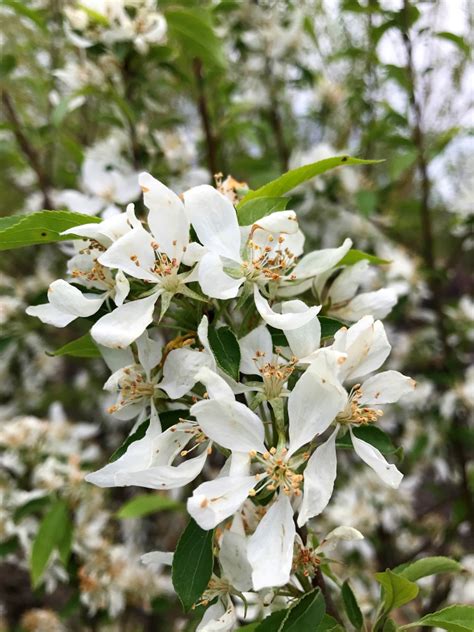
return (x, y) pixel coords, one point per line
(390, 626)
(31, 507)
(135, 436)
(397, 590)
(295, 177)
(376, 437)
(329, 326)
(354, 256)
(192, 564)
(329, 624)
(351, 606)
(428, 566)
(306, 615)
(64, 545)
(226, 350)
(22, 9)
(42, 227)
(273, 622)
(147, 504)
(51, 533)
(193, 29)
(367, 202)
(83, 347)
(7, 65)
(9, 546)
(171, 417)
(253, 210)
(453, 618)
(457, 40)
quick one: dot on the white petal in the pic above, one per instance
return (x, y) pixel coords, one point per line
(214, 501)
(166, 218)
(157, 558)
(214, 219)
(216, 386)
(70, 300)
(378, 304)
(79, 202)
(105, 232)
(164, 476)
(258, 340)
(149, 352)
(345, 285)
(125, 324)
(233, 559)
(122, 288)
(116, 359)
(230, 424)
(194, 253)
(314, 402)
(282, 321)
(375, 459)
(214, 281)
(319, 477)
(345, 534)
(304, 340)
(218, 618)
(278, 222)
(49, 315)
(320, 260)
(132, 253)
(366, 346)
(180, 369)
(386, 388)
(270, 548)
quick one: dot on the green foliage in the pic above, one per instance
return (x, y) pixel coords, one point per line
(351, 606)
(354, 256)
(428, 566)
(83, 347)
(253, 210)
(146, 504)
(371, 434)
(456, 618)
(192, 564)
(291, 179)
(192, 29)
(397, 591)
(226, 350)
(329, 624)
(42, 227)
(329, 326)
(55, 532)
(305, 615)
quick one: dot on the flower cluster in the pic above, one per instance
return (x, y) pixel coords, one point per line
(230, 374)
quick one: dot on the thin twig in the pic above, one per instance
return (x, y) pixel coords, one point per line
(27, 148)
(211, 139)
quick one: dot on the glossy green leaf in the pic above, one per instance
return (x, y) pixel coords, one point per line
(51, 534)
(428, 566)
(371, 434)
(273, 622)
(42, 227)
(226, 350)
(456, 618)
(351, 606)
(329, 326)
(192, 564)
(295, 177)
(397, 590)
(329, 624)
(135, 436)
(83, 347)
(147, 504)
(306, 615)
(354, 256)
(253, 210)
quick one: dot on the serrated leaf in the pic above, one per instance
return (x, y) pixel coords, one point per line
(306, 615)
(397, 590)
(83, 347)
(135, 436)
(147, 504)
(253, 210)
(43, 227)
(428, 566)
(295, 177)
(50, 534)
(455, 618)
(226, 350)
(351, 606)
(192, 564)
(354, 256)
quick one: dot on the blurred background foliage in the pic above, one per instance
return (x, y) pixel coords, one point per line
(247, 88)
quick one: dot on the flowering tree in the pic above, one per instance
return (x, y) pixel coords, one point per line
(243, 360)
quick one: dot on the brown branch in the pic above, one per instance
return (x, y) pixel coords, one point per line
(27, 148)
(211, 139)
